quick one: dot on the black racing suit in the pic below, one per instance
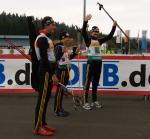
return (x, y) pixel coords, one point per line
(46, 70)
(94, 63)
(62, 74)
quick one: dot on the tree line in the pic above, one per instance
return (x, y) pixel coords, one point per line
(15, 24)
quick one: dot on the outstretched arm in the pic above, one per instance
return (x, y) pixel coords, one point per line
(107, 38)
(84, 30)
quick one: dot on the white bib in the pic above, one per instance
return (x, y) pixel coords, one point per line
(94, 48)
(64, 59)
(50, 50)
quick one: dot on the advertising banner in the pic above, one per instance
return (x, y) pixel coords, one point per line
(120, 75)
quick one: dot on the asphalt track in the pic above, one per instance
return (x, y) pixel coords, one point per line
(123, 117)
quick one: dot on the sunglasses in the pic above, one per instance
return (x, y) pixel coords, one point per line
(96, 31)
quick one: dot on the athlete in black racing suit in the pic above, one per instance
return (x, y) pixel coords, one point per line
(94, 62)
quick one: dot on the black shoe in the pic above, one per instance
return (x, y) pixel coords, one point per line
(62, 114)
(62, 110)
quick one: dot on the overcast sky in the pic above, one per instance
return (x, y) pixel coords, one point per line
(130, 14)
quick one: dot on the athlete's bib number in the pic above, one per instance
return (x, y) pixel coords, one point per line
(94, 51)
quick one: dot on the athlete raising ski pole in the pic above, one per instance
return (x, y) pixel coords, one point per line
(94, 61)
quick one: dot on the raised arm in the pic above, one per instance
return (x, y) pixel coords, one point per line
(110, 35)
(84, 30)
